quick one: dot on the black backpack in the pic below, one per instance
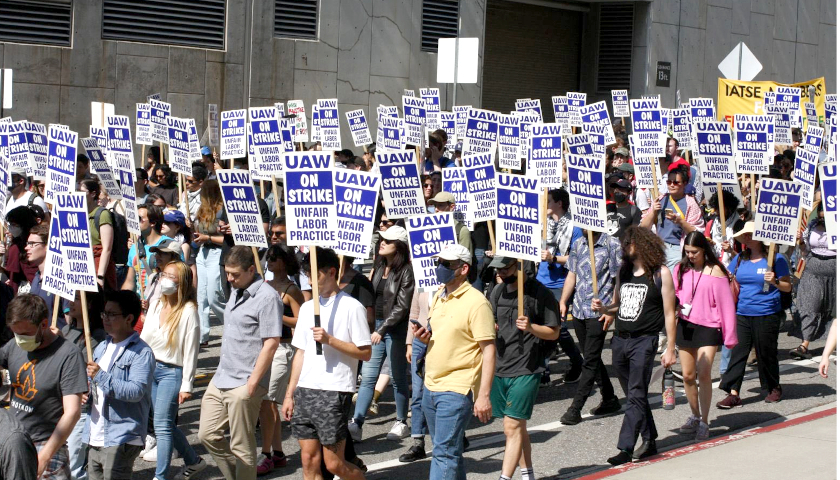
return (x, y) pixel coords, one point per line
(120, 250)
(546, 347)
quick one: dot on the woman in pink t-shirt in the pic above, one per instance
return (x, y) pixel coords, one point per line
(706, 321)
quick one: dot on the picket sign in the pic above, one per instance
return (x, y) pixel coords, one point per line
(401, 188)
(356, 199)
(455, 182)
(80, 273)
(588, 202)
(427, 236)
(828, 188)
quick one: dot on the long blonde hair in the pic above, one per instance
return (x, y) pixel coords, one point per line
(184, 296)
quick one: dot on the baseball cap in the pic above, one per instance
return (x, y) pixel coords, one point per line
(206, 151)
(444, 197)
(675, 164)
(395, 232)
(168, 246)
(19, 171)
(174, 216)
(623, 151)
(502, 262)
(626, 167)
(455, 251)
(458, 147)
(621, 183)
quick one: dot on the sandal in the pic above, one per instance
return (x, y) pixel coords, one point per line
(801, 352)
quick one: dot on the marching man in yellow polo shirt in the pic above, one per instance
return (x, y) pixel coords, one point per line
(459, 364)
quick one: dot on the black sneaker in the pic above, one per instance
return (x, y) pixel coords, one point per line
(571, 417)
(647, 449)
(607, 407)
(415, 452)
(620, 459)
(573, 375)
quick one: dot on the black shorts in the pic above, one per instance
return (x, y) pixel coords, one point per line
(691, 335)
(321, 415)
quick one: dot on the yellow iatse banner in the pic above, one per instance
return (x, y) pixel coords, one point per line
(747, 98)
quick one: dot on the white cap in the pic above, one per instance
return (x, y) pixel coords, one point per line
(395, 232)
(456, 252)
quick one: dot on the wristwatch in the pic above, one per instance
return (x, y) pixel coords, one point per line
(776, 282)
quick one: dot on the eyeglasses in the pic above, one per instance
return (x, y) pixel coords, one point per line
(277, 234)
(110, 315)
(168, 275)
(160, 176)
(386, 222)
(450, 264)
(32, 244)
(674, 182)
(388, 242)
(428, 185)
(191, 181)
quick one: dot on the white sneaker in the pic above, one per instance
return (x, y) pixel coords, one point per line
(399, 431)
(190, 470)
(355, 430)
(151, 442)
(151, 455)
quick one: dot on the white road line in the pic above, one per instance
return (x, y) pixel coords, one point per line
(653, 399)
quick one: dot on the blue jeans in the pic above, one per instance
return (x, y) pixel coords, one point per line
(725, 356)
(78, 450)
(393, 347)
(418, 420)
(447, 414)
(165, 388)
(673, 255)
(209, 276)
(479, 259)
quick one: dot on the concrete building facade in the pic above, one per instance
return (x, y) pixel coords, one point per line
(368, 51)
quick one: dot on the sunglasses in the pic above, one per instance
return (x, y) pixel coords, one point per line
(386, 222)
(277, 234)
(673, 182)
(450, 264)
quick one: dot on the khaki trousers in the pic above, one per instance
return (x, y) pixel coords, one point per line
(233, 410)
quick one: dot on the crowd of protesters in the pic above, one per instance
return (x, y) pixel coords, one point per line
(673, 278)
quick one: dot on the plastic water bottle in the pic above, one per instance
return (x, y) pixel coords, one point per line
(668, 398)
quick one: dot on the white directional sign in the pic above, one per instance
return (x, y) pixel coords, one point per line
(740, 64)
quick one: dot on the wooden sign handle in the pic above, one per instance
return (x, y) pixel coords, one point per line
(56, 304)
(520, 289)
(313, 281)
(257, 261)
(86, 323)
(721, 212)
(592, 264)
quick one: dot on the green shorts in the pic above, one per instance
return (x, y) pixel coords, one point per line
(514, 397)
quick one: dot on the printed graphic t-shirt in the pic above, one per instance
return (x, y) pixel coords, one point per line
(39, 381)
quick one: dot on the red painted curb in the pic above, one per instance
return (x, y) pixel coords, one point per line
(679, 452)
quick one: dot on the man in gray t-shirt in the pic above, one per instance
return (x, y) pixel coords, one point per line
(253, 318)
(48, 380)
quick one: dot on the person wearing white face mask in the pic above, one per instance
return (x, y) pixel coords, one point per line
(171, 330)
(49, 379)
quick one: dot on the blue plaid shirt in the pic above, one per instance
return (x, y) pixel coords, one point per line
(607, 264)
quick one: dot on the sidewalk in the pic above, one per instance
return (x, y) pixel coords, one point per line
(804, 446)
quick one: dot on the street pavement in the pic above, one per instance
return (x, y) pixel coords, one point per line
(559, 452)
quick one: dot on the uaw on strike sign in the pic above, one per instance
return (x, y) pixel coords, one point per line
(242, 208)
(310, 199)
(518, 229)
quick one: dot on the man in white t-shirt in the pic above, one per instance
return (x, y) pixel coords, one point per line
(321, 386)
(20, 195)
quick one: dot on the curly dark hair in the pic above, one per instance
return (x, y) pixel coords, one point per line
(649, 248)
